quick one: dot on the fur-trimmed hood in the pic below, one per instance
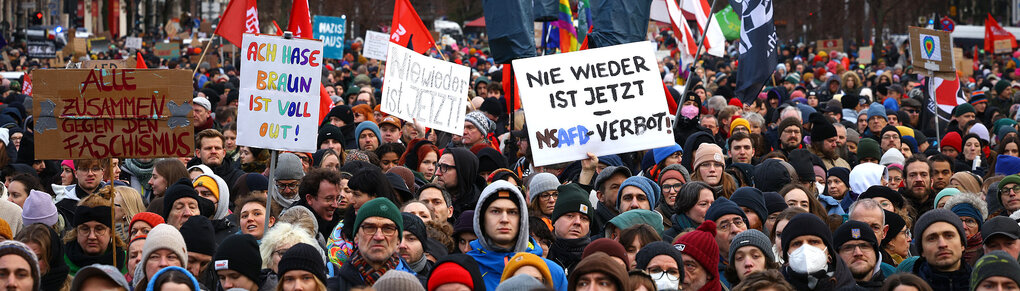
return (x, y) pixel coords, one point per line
(968, 198)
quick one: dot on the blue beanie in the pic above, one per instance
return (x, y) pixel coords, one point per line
(965, 209)
(611, 160)
(910, 141)
(723, 206)
(370, 126)
(876, 109)
(646, 185)
(663, 152)
(891, 105)
(752, 198)
(1007, 165)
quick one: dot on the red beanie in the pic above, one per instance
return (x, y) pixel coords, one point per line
(736, 102)
(148, 217)
(449, 272)
(700, 244)
(608, 246)
(952, 139)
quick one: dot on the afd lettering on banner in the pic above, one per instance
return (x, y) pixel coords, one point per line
(279, 102)
(330, 30)
(605, 101)
(428, 90)
(376, 45)
(124, 113)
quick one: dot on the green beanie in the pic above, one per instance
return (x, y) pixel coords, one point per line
(1000, 86)
(963, 108)
(1015, 179)
(868, 148)
(571, 199)
(380, 207)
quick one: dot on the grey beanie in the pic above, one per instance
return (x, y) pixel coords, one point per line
(289, 167)
(480, 121)
(519, 282)
(609, 172)
(933, 216)
(541, 182)
(752, 237)
(396, 280)
(852, 135)
(675, 167)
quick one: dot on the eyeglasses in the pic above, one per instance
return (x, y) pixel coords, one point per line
(371, 229)
(725, 225)
(548, 195)
(443, 167)
(969, 221)
(891, 136)
(849, 248)
(95, 170)
(280, 252)
(672, 187)
(912, 111)
(292, 185)
(656, 270)
(98, 230)
(792, 131)
(1014, 189)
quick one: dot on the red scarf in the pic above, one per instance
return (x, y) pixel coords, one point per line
(369, 274)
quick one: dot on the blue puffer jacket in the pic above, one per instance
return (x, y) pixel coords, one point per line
(491, 263)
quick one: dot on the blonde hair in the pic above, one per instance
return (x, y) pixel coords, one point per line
(319, 286)
(282, 233)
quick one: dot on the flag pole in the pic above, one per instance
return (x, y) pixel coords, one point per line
(204, 51)
(697, 54)
(436, 45)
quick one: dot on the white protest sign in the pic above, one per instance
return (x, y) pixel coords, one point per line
(279, 104)
(431, 91)
(605, 101)
(376, 45)
(133, 43)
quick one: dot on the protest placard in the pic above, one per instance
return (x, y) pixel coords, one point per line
(864, 55)
(108, 64)
(376, 45)
(605, 101)
(931, 52)
(330, 30)
(167, 50)
(827, 45)
(99, 45)
(125, 113)
(279, 104)
(431, 91)
(41, 49)
(133, 43)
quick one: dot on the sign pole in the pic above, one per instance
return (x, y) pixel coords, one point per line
(272, 187)
(204, 51)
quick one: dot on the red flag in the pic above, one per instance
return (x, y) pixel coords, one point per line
(139, 61)
(27, 88)
(325, 103)
(947, 93)
(407, 29)
(510, 89)
(241, 17)
(300, 19)
(995, 32)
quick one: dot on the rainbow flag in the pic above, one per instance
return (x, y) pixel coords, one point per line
(568, 34)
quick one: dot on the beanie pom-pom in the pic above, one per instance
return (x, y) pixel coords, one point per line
(708, 226)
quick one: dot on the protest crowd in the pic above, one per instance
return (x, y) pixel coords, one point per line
(839, 175)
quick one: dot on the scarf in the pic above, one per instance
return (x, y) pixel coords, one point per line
(76, 258)
(567, 252)
(369, 274)
(419, 266)
(142, 171)
(974, 249)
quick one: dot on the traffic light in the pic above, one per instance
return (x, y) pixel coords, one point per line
(37, 18)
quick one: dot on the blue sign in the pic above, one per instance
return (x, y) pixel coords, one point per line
(330, 30)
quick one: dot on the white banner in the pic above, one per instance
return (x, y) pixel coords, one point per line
(605, 101)
(431, 91)
(376, 45)
(279, 104)
(133, 43)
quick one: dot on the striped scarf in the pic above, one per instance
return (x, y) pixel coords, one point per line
(369, 274)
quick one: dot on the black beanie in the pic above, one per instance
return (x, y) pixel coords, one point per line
(199, 236)
(822, 130)
(343, 112)
(774, 202)
(888, 128)
(328, 131)
(489, 159)
(800, 159)
(183, 189)
(413, 224)
(806, 224)
(850, 101)
(771, 175)
(885, 192)
(658, 248)
(572, 198)
(240, 253)
(752, 198)
(302, 257)
(896, 225)
(995, 263)
(854, 230)
(840, 172)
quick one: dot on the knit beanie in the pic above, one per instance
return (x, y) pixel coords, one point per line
(480, 121)
(597, 263)
(541, 182)
(465, 223)
(304, 257)
(98, 270)
(39, 208)
(801, 160)
(207, 182)
(240, 253)
(183, 189)
(774, 202)
(933, 216)
(1004, 165)
(840, 172)
(700, 244)
(367, 125)
(606, 174)
(771, 175)
(893, 156)
(962, 109)
(884, 192)
(289, 167)
(662, 153)
(328, 131)
(638, 216)
(652, 190)
(806, 224)
(896, 225)
(752, 237)
(876, 109)
(165, 236)
(572, 198)
(451, 271)
(723, 206)
(199, 236)
(869, 148)
(995, 263)
(380, 207)
(946, 192)
(343, 112)
(397, 280)
(520, 282)
(822, 131)
(148, 217)
(852, 136)
(751, 198)
(674, 171)
(854, 230)
(610, 247)
(739, 122)
(5, 230)
(708, 152)
(788, 122)
(952, 139)
(414, 225)
(13, 247)
(526, 259)
(654, 249)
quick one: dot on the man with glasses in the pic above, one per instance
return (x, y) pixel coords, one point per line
(90, 175)
(889, 138)
(289, 172)
(790, 137)
(320, 193)
(378, 230)
(729, 220)
(857, 246)
(663, 262)
(457, 170)
(913, 109)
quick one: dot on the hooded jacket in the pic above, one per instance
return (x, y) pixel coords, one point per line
(469, 184)
(491, 259)
(223, 204)
(226, 170)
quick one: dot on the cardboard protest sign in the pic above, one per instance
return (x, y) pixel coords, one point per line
(605, 101)
(1003, 46)
(964, 65)
(108, 64)
(330, 30)
(167, 50)
(376, 45)
(99, 45)
(133, 43)
(125, 113)
(431, 91)
(827, 45)
(279, 103)
(932, 52)
(865, 54)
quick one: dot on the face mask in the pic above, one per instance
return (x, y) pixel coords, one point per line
(666, 281)
(808, 259)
